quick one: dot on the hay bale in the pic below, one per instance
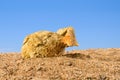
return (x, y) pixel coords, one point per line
(47, 44)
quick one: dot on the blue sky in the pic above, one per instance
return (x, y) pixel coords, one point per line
(96, 22)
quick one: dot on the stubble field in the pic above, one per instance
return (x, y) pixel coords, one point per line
(91, 64)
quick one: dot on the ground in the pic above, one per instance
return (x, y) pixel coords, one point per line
(91, 64)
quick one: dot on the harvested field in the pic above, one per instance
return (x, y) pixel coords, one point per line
(91, 64)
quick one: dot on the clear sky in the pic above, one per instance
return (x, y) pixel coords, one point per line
(96, 22)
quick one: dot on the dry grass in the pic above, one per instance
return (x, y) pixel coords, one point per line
(92, 64)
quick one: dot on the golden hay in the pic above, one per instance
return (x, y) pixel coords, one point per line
(48, 44)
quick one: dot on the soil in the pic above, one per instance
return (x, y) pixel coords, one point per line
(91, 64)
